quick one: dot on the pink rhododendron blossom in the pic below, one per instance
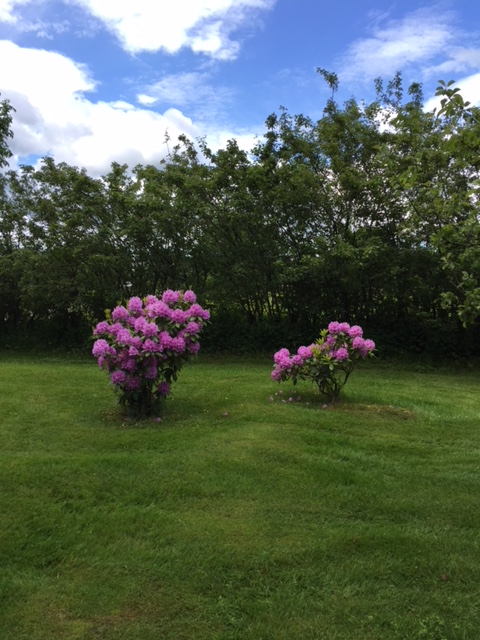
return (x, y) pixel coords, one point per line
(189, 297)
(150, 329)
(165, 340)
(130, 364)
(123, 337)
(102, 348)
(119, 314)
(170, 297)
(151, 346)
(280, 355)
(192, 328)
(136, 342)
(102, 327)
(334, 328)
(285, 362)
(194, 311)
(277, 374)
(132, 352)
(358, 342)
(177, 344)
(115, 328)
(297, 360)
(132, 383)
(159, 310)
(369, 345)
(355, 331)
(341, 354)
(140, 324)
(344, 327)
(305, 352)
(118, 377)
(178, 316)
(135, 305)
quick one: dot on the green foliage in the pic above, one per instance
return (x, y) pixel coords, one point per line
(6, 132)
(369, 212)
(438, 174)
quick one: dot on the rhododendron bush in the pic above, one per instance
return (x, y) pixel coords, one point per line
(328, 362)
(144, 344)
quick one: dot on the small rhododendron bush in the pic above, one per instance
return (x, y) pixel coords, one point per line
(144, 344)
(329, 362)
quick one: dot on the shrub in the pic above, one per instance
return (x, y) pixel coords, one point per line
(328, 362)
(144, 344)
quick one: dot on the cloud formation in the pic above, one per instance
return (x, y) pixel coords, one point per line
(61, 118)
(413, 42)
(193, 90)
(7, 10)
(58, 118)
(204, 26)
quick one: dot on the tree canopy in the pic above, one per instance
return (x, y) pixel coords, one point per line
(369, 214)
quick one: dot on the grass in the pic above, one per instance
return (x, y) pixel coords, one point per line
(276, 521)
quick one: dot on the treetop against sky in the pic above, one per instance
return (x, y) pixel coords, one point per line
(95, 81)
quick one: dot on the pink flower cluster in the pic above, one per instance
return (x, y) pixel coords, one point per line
(354, 344)
(340, 346)
(145, 343)
(286, 363)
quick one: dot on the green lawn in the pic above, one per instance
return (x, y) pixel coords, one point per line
(238, 518)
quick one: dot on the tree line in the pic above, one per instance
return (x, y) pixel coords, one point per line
(368, 214)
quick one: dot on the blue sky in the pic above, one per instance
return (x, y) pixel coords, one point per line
(96, 81)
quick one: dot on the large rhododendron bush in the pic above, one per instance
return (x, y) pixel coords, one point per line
(144, 344)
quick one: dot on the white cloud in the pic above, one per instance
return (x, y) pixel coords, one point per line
(181, 89)
(246, 140)
(146, 100)
(190, 88)
(461, 60)
(57, 118)
(36, 73)
(31, 21)
(419, 38)
(7, 10)
(206, 102)
(469, 89)
(61, 119)
(6, 7)
(204, 26)
(121, 104)
(127, 135)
